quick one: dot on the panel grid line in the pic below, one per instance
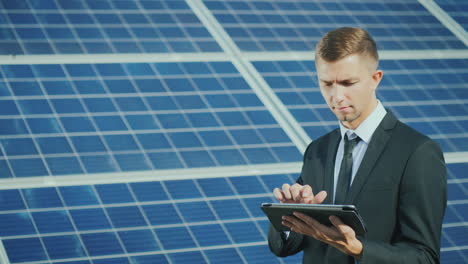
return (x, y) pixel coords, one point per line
(446, 20)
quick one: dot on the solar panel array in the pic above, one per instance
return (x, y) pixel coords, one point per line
(196, 220)
(214, 220)
(196, 114)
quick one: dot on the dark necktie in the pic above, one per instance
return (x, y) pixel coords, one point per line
(346, 169)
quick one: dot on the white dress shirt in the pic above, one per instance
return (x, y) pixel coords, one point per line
(365, 131)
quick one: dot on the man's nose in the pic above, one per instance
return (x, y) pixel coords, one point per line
(339, 92)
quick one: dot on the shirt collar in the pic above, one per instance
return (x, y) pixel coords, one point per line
(366, 129)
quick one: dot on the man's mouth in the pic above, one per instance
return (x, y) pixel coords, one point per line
(343, 108)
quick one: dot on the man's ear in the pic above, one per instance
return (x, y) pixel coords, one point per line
(377, 77)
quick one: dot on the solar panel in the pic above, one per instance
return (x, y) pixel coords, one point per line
(179, 220)
(216, 219)
(97, 27)
(298, 25)
(74, 119)
(429, 95)
(135, 116)
(456, 9)
(455, 215)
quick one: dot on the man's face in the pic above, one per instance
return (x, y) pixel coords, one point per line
(348, 86)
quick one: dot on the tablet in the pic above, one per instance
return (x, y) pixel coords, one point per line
(320, 212)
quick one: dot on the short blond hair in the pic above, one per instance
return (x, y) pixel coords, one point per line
(344, 41)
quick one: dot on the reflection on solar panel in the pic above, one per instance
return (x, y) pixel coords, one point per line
(298, 25)
(87, 26)
(89, 118)
(122, 139)
(430, 95)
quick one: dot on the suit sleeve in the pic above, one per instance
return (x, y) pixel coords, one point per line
(422, 202)
(282, 247)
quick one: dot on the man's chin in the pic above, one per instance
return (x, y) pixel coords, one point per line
(346, 118)
(342, 118)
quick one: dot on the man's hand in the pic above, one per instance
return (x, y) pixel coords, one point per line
(340, 236)
(298, 194)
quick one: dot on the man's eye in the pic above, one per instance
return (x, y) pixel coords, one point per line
(348, 83)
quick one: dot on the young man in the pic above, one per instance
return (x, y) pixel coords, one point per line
(395, 176)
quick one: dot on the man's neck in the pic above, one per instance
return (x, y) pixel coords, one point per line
(356, 122)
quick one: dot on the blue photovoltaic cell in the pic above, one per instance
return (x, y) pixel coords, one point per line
(11, 200)
(186, 257)
(116, 193)
(298, 25)
(175, 237)
(247, 185)
(404, 80)
(78, 195)
(138, 241)
(90, 219)
(42, 198)
(215, 187)
(128, 216)
(52, 221)
(60, 247)
(182, 189)
(150, 259)
(196, 212)
(149, 191)
(228, 255)
(458, 256)
(16, 224)
(112, 260)
(109, 134)
(24, 249)
(210, 235)
(102, 27)
(229, 209)
(98, 244)
(161, 214)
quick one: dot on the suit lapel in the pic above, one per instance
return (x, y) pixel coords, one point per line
(330, 165)
(374, 150)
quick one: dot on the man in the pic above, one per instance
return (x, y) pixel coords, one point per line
(395, 176)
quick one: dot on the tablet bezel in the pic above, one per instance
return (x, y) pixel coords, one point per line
(320, 212)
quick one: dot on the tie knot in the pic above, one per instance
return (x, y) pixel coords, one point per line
(350, 144)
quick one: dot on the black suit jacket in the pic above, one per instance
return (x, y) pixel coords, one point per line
(400, 190)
